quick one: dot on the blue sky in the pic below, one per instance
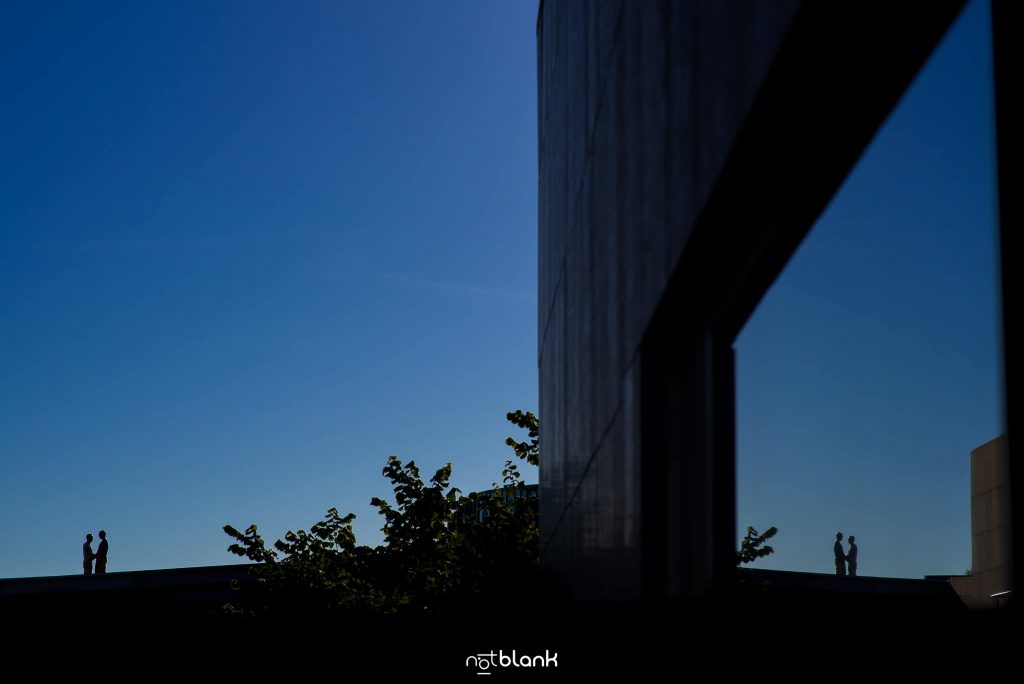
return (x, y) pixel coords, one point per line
(871, 368)
(248, 251)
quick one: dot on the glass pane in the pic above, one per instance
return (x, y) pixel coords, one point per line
(871, 369)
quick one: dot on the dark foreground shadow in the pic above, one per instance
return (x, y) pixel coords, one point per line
(782, 622)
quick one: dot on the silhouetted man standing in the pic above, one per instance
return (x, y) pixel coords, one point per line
(840, 556)
(87, 555)
(851, 557)
(101, 554)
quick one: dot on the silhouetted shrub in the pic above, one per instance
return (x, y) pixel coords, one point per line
(441, 549)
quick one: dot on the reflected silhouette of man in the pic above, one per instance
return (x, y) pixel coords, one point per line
(851, 557)
(101, 554)
(840, 556)
(87, 555)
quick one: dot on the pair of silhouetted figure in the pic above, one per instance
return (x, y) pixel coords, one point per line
(100, 556)
(845, 559)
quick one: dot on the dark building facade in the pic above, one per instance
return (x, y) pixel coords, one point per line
(686, 147)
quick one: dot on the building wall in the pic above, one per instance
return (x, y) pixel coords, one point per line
(990, 522)
(685, 148)
(991, 540)
(640, 103)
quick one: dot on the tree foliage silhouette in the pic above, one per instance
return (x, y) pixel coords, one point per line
(753, 545)
(441, 548)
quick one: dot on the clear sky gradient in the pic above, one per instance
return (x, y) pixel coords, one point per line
(247, 252)
(871, 368)
(250, 250)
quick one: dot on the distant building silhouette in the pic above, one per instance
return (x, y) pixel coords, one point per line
(990, 576)
(473, 512)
